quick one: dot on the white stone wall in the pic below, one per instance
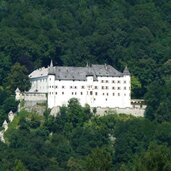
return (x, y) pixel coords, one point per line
(39, 84)
(105, 92)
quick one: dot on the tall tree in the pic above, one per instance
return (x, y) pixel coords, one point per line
(18, 77)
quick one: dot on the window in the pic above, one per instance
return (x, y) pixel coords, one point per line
(56, 87)
(107, 94)
(52, 86)
(75, 93)
(106, 87)
(113, 81)
(124, 88)
(124, 82)
(102, 81)
(82, 87)
(113, 88)
(96, 93)
(72, 93)
(119, 88)
(118, 94)
(95, 87)
(113, 94)
(119, 81)
(63, 87)
(107, 81)
(91, 93)
(106, 99)
(56, 93)
(102, 87)
(81, 93)
(103, 94)
(62, 92)
(71, 87)
(75, 87)
(124, 94)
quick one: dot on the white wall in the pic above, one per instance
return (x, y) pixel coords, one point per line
(101, 93)
(39, 84)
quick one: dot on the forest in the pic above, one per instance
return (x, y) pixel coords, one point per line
(133, 33)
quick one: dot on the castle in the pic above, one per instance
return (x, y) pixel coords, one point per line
(96, 85)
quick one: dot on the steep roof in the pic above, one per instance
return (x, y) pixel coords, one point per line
(80, 73)
(77, 73)
(41, 72)
(126, 71)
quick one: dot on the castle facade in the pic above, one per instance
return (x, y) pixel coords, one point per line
(96, 85)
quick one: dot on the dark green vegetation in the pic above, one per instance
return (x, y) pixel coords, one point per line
(73, 32)
(136, 33)
(79, 141)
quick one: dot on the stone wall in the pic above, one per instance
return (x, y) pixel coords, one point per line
(28, 96)
(35, 102)
(138, 112)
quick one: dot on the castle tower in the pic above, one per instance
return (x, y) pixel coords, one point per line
(89, 77)
(5, 125)
(17, 94)
(127, 87)
(51, 85)
(11, 116)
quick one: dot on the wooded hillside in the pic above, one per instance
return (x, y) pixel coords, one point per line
(136, 33)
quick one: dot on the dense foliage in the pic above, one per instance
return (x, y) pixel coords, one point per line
(73, 32)
(78, 140)
(118, 32)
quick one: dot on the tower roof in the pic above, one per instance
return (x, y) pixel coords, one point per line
(126, 71)
(51, 68)
(5, 123)
(17, 90)
(51, 63)
(11, 113)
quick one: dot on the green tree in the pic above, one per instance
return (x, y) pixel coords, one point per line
(99, 160)
(135, 86)
(158, 101)
(157, 157)
(10, 104)
(18, 77)
(19, 166)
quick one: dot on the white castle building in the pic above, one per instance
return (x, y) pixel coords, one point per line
(96, 85)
